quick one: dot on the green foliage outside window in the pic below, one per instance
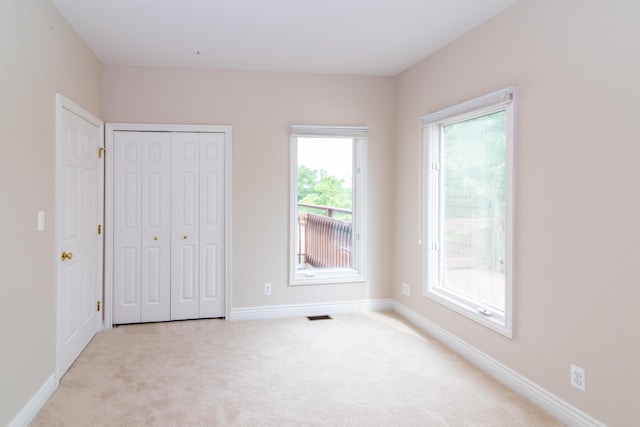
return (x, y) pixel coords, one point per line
(317, 187)
(475, 172)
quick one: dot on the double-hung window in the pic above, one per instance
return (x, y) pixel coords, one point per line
(328, 202)
(468, 185)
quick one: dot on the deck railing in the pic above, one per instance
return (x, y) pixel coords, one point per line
(324, 241)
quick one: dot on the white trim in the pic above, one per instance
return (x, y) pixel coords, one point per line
(295, 310)
(148, 127)
(227, 222)
(108, 227)
(550, 403)
(110, 128)
(33, 406)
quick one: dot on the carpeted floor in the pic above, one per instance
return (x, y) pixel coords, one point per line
(369, 369)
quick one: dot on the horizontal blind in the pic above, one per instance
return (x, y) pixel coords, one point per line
(501, 97)
(330, 131)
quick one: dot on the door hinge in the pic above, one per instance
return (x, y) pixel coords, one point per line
(99, 229)
(100, 151)
(98, 306)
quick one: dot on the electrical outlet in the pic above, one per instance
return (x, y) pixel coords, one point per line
(40, 220)
(578, 378)
(267, 288)
(405, 289)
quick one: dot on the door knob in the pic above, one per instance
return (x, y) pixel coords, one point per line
(184, 237)
(66, 255)
(155, 238)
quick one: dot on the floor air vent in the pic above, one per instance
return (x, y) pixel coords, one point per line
(323, 317)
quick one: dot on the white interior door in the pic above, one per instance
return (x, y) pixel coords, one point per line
(198, 225)
(185, 219)
(79, 218)
(212, 224)
(142, 209)
(127, 218)
(156, 227)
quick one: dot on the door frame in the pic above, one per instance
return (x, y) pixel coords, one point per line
(63, 103)
(110, 128)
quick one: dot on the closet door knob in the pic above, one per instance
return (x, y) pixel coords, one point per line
(184, 237)
(155, 238)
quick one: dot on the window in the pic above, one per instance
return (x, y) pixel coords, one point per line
(468, 189)
(328, 202)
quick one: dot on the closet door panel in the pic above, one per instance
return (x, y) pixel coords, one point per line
(212, 156)
(127, 227)
(156, 227)
(187, 290)
(185, 218)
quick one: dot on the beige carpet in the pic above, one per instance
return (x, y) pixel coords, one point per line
(369, 369)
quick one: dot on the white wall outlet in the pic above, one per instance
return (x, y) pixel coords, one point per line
(406, 290)
(578, 378)
(40, 220)
(267, 288)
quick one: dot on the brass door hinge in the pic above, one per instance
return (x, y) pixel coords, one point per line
(98, 306)
(100, 151)
(99, 229)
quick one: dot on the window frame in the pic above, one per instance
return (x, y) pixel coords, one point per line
(360, 136)
(432, 126)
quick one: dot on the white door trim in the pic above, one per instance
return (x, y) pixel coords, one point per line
(63, 103)
(108, 253)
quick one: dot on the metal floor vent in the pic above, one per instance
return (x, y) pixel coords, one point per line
(323, 317)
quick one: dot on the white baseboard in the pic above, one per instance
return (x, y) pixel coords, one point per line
(553, 405)
(293, 310)
(33, 406)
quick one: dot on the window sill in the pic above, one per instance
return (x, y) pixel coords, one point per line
(497, 321)
(328, 278)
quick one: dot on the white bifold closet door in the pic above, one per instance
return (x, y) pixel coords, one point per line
(197, 225)
(142, 221)
(169, 231)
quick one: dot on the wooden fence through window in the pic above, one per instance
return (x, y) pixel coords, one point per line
(324, 242)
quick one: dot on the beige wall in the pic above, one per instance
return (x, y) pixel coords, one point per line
(576, 66)
(261, 107)
(39, 55)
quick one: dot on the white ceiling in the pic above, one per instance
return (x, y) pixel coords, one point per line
(368, 37)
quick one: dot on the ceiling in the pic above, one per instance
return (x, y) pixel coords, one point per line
(366, 37)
